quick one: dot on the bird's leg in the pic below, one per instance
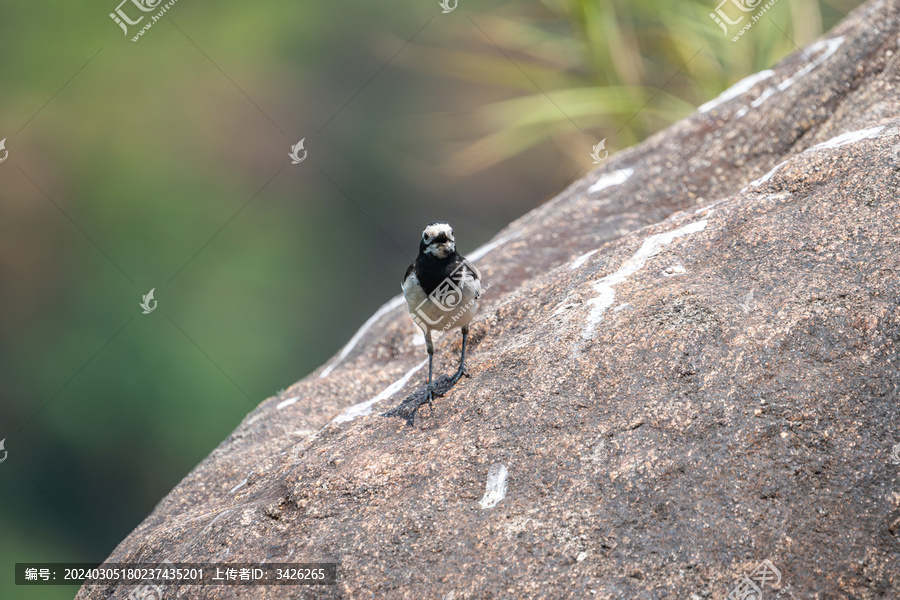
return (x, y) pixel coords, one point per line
(430, 347)
(462, 359)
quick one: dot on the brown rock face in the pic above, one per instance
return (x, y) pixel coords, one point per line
(685, 364)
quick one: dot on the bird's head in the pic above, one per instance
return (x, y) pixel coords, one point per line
(438, 240)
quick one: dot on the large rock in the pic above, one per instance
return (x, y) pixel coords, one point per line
(684, 372)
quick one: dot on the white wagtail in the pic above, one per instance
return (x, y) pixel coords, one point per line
(441, 290)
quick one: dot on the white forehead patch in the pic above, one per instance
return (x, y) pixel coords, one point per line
(433, 231)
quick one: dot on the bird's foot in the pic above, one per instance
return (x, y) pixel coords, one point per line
(422, 396)
(459, 375)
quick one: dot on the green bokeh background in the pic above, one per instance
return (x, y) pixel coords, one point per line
(164, 164)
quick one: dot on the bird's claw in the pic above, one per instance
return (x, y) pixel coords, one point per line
(458, 375)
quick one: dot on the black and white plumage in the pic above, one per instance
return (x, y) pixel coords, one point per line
(442, 290)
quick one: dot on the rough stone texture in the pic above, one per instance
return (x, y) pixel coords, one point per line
(716, 385)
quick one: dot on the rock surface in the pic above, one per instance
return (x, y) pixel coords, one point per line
(685, 364)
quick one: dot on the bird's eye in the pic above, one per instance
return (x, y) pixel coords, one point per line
(427, 238)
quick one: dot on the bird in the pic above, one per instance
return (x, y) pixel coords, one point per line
(441, 289)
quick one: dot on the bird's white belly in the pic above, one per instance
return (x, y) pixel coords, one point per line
(451, 305)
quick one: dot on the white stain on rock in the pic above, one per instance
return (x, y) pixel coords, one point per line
(765, 177)
(818, 53)
(823, 48)
(286, 402)
(241, 484)
(847, 138)
(255, 417)
(827, 49)
(741, 87)
(481, 251)
(767, 93)
(835, 142)
(611, 179)
(605, 287)
(578, 262)
(495, 490)
(365, 408)
(393, 303)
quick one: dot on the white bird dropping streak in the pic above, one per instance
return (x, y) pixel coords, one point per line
(365, 408)
(287, 402)
(495, 490)
(393, 303)
(240, 485)
(611, 179)
(736, 90)
(480, 252)
(606, 295)
(847, 138)
(829, 46)
(835, 142)
(765, 177)
(579, 262)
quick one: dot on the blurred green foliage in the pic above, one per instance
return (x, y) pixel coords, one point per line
(622, 69)
(163, 164)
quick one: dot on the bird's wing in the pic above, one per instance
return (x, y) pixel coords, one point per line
(409, 270)
(476, 274)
